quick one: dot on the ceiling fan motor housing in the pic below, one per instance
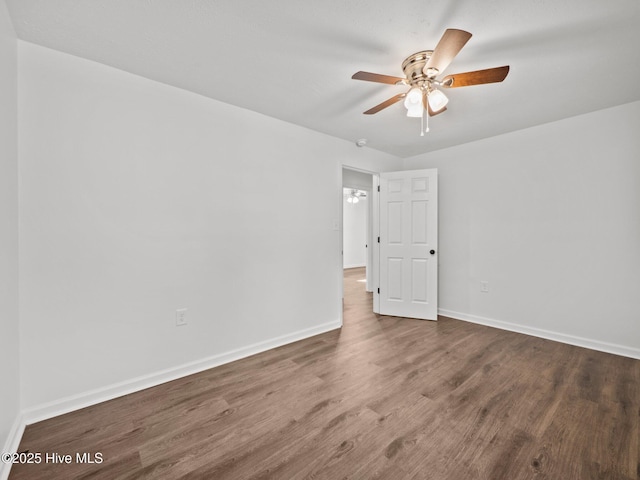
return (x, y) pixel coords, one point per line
(413, 68)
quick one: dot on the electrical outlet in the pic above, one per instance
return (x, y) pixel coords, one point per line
(484, 286)
(181, 317)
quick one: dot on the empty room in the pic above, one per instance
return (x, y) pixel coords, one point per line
(182, 294)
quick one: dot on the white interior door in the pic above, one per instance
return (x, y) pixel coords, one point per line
(408, 227)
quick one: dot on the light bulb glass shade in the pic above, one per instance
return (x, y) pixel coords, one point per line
(356, 199)
(350, 199)
(414, 96)
(415, 111)
(413, 103)
(437, 100)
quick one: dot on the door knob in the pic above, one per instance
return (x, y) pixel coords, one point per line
(432, 252)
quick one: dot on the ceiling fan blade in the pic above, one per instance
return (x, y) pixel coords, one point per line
(448, 47)
(376, 77)
(478, 77)
(385, 104)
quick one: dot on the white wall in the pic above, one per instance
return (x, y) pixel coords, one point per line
(354, 232)
(9, 332)
(550, 217)
(138, 199)
(357, 180)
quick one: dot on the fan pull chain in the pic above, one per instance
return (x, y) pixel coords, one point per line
(427, 110)
(422, 124)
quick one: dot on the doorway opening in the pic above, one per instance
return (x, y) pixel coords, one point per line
(357, 235)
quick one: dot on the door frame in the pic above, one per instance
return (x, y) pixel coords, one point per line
(373, 220)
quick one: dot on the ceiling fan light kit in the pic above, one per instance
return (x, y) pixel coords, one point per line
(421, 70)
(413, 103)
(437, 100)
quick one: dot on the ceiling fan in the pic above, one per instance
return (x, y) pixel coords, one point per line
(421, 71)
(355, 195)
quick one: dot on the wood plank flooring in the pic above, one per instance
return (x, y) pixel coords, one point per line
(383, 398)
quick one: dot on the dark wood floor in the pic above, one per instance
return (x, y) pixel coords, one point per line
(385, 398)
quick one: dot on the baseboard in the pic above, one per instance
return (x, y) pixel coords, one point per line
(549, 335)
(86, 399)
(356, 265)
(12, 443)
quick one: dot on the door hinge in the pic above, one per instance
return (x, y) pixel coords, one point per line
(378, 290)
(378, 239)
(378, 187)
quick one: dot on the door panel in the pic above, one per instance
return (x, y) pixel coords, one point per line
(408, 235)
(394, 283)
(394, 223)
(419, 221)
(419, 280)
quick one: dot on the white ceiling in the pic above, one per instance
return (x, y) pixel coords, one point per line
(293, 59)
